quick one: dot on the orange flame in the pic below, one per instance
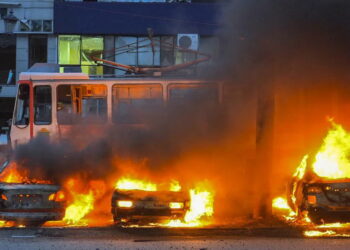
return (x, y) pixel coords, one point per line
(81, 206)
(332, 160)
(12, 175)
(201, 208)
(126, 183)
(82, 202)
(201, 200)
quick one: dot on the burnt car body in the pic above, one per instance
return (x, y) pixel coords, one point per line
(30, 204)
(326, 201)
(137, 206)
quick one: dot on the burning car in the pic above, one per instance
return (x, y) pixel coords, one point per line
(320, 189)
(139, 206)
(25, 201)
(30, 204)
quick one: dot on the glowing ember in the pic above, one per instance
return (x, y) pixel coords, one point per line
(332, 160)
(81, 206)
(133, 184)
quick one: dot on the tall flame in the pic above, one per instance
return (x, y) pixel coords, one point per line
(201, 208)
(202, 204)
(81, 206)
(332, 160)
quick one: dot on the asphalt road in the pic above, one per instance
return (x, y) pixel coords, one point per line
(156, 238)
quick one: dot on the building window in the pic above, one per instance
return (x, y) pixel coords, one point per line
(75, 50)
(140, 51)
(35, 26)
(137, 51)
(3, 12)
(91, 46)
(69, 50)
(37, 49)
(8, 56)
(148, 55)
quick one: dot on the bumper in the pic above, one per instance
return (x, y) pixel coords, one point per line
(146, 214)
(31, 216)
(319, 214)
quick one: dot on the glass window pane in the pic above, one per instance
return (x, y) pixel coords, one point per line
(91, 46)
(147, 55)
(42, 105)
(167, 51)
(193, 94)
(78, 103)
(65, 113)
(21, 116)
(37, 49)
(94, 103)
(92, 70)
(37, 25)
(47, 25)
(126, 50)
(136, 104)
(69, 49)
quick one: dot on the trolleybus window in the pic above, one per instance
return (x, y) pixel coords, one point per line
(81, 103)
(184, 94)
(134, 104)
(42, 105)
(22, 106)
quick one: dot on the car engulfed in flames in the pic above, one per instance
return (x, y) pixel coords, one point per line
(139, 206)
(319, 193)
(137, 202)
(29, 202)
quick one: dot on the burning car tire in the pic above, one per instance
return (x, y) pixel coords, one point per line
(30, 204)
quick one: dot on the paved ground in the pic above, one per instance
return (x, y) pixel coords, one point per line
(114, 238)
